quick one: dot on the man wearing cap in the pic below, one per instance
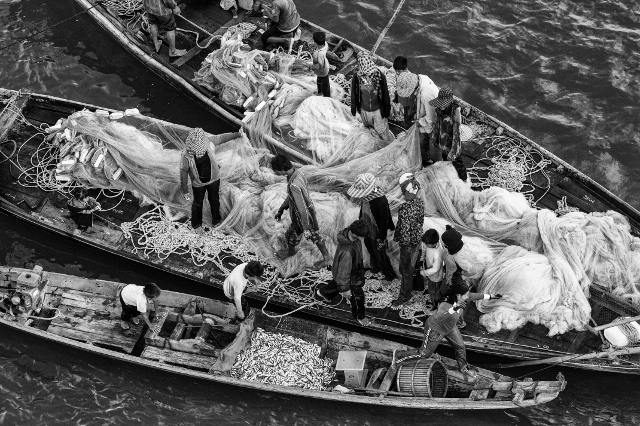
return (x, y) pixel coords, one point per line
(414, 92)
(302, 211)
(375, 212)
(348, 270)
(370, 97)
(408, 234)
(199, 164)
(399, 66)
(445, 139)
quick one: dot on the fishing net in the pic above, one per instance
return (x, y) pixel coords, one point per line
(276, 90)
(544, 264)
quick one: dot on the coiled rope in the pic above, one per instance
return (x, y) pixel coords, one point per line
(512, 166)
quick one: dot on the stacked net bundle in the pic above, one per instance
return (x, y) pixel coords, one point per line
(279, 359)
(100, 152)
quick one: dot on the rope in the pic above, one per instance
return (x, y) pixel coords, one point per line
(384, 31)
(630, 332)
(512, 166)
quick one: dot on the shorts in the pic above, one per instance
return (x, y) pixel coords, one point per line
(163, 22)
(293, 238)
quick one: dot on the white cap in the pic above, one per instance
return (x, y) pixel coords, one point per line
(405, 177)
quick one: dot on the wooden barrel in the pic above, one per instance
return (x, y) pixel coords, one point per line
(423, 377)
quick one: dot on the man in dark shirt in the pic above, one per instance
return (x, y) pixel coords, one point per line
(375, 212)
(408, 234)
(199, 164)
(370, 97)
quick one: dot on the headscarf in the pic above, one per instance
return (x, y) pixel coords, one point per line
(197, 142)
(406, 83)
(409, 185)
(368, 72)
(452, 240)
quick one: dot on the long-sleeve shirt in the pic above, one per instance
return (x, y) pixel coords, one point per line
(377, 214)
(409, 226)
(348, 269)
(426, 114)
(299, 203)
(159, 7)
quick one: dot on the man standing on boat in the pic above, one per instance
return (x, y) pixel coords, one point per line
(445, 138)
(284, 18)
(434, 258)
(370, 97)
(199, 164)
(374, 210)
(348, 270)
(161, 16)
(414, 94)
(134, 299)
(302, 211)
(408, 234)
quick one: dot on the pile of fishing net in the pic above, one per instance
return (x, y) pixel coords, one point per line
(545, 273)
(110, 151)
(279, 359)
(277, 90)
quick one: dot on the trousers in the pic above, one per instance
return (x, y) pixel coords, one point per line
(213, 192)
(357, 297)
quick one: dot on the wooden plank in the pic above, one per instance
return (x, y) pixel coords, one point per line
(178, 358)
(96, 330)
(191, 53)
(484, 384)
(178, 331)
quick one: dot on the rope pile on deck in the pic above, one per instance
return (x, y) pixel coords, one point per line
(280, 359)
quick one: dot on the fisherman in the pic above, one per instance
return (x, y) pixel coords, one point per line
(160, 14)
(370, 97)
(301, 209)
(348, 271)
(399, 66)
(445, 138)
(464, 266)
(283, 16)
(134, 299)
(235, 285)
(374, 210)
(414, 92)
(442, 324)
(199, 164)
(408, 234)
(81, 208)
(434, 256)
(320, 65)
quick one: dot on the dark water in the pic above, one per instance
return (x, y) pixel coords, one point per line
(564, 73)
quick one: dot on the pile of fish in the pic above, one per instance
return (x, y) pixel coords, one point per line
(285, 360)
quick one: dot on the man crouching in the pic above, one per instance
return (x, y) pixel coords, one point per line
(348, 270)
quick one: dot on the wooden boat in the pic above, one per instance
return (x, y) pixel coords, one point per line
(47, 210)
(196, 337)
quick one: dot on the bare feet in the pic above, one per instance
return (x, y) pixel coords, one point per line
(158, 45)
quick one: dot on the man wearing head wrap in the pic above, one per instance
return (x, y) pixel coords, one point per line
(414, 92)
(370, 97)
(408, 234)
(199, 164)
(374, 210)
(445, 138)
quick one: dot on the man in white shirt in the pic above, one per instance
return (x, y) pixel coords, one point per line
(434, 260)
(235, 286)
(134, 299)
